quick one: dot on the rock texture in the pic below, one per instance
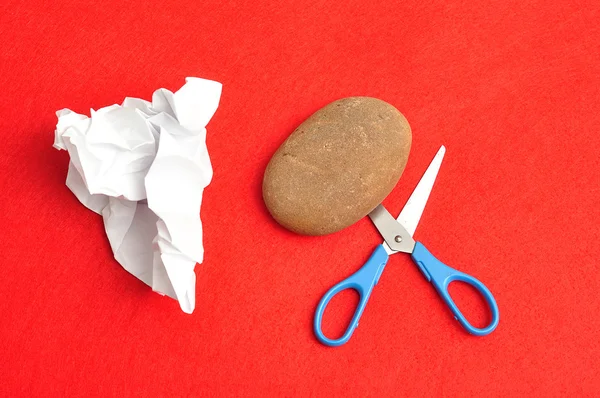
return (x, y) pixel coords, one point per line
(337, 166)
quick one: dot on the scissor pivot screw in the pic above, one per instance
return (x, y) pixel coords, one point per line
(398, 239)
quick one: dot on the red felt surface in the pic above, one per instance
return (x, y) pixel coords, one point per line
(512, 88)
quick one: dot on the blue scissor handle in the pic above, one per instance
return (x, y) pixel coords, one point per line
(440, 275)
(363, 282)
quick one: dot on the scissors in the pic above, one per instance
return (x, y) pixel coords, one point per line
(397, 236)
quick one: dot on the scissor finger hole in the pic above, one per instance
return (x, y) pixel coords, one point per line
(339, 313)
(471, 303)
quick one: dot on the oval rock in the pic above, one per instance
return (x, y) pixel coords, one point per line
(337, 166)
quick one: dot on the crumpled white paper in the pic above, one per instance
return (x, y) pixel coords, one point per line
(143, 166)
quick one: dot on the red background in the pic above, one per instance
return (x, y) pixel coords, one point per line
(512, 88)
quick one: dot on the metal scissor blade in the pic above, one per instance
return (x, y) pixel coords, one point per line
(395, 237)
(413, 209)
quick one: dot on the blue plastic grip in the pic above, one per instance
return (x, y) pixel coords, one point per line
(363, 282)
(440, 275)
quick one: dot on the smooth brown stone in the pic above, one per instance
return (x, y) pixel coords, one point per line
(337, 166)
